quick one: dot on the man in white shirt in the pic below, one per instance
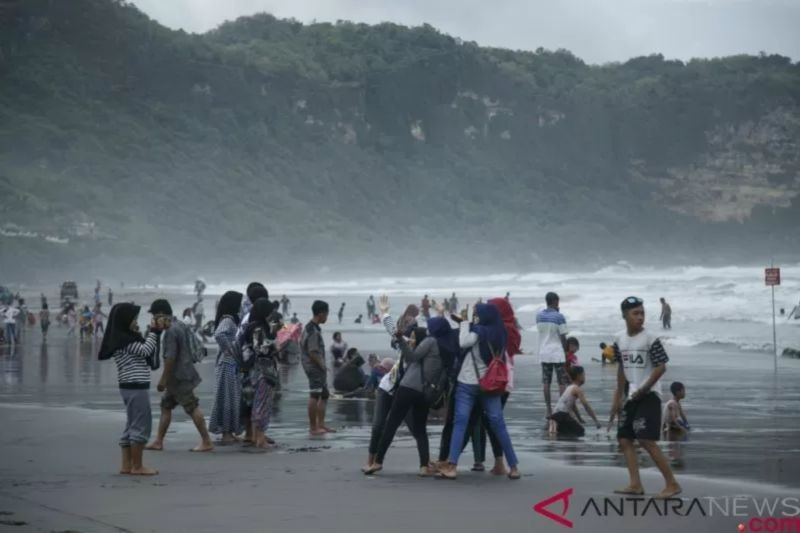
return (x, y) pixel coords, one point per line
(553, 331)
(10, 313)
(642, 361)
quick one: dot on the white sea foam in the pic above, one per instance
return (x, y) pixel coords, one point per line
(725, 305)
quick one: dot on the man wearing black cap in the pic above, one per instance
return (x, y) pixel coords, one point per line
(637, 398)
(313, 360)
(179, 378)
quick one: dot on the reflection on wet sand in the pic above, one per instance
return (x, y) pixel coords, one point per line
(735, 402)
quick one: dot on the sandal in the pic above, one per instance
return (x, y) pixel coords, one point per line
(478, 467)
(442, 475)
(514, 476)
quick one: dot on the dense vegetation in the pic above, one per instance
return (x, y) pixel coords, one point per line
(271, 145)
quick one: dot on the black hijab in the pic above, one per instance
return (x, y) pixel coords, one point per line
(261, 310)
(259, 317)
(420, 334)
(255, 291)
(229, 305)
(118, 333)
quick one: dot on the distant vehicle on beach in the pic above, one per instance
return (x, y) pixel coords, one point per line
(69, 291)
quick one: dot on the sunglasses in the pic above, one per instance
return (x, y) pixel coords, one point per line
(633, 300)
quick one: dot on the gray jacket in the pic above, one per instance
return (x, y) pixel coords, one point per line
(427, 354)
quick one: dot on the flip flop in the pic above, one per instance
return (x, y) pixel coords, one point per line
(514, 476)
(442, 475)
(629, 492)
(478, 468)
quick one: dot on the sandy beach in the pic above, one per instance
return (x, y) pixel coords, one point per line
(61, 414)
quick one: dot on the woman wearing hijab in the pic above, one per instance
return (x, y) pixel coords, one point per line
(482, 429)
(135, 356)
(255, 291)
(419, 355)
(228, 394)
(260, 352)
(482, 340)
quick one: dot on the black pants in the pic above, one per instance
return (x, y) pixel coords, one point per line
(567, 426)
(406, 400)
(383, 404)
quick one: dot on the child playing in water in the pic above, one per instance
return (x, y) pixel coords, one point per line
(606, 353)
(572, 348)
(564, 421)
(675, 424)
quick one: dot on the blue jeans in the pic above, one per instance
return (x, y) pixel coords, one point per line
(466, 397)
(11, 333)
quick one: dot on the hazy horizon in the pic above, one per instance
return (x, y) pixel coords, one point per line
(597, 31)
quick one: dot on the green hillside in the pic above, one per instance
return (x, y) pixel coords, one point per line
(269, 145)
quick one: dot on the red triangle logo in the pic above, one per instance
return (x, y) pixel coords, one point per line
(562, 496)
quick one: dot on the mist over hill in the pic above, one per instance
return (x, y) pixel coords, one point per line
(129, 150)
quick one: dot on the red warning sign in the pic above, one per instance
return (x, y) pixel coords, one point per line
(772, 276)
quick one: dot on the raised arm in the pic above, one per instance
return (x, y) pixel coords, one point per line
(466, 338)
(418, 353)
(146, 348)
(387, 319)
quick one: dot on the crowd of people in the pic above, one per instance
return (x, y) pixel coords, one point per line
(457, 359)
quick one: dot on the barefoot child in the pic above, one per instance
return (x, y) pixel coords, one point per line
(675, 423)
(572, 351)
(564, 421)
(642, 363)
(135, 356)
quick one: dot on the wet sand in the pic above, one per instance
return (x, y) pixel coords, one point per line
(61, 414)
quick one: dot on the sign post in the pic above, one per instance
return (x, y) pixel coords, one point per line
(772, 277)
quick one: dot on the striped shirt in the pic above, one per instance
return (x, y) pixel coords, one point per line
(133, 371)
(551, 325)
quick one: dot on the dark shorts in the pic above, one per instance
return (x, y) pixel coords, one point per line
(567, 426)
(561, 373)
(317, 383)
(641, 419)
(323, 394)
(182, 395)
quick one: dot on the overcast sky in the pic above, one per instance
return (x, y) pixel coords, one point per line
(596, 30)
